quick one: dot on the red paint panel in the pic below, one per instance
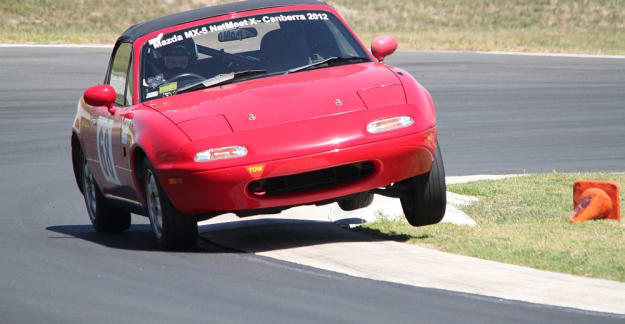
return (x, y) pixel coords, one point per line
(225, 189)
(286, 98)
(204, 127)
(298, 138)
(383, 96)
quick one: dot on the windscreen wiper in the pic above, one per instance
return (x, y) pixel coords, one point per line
(221, 79)
(329, 61)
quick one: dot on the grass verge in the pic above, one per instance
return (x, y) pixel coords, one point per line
(572, 26)
(523, 221)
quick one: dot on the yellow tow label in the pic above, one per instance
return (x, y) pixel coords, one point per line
(256, 171)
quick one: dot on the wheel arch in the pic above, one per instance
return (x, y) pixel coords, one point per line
(76, 160)
(417, 95)
(137, 158)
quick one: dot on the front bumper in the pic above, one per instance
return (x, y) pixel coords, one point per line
(226, 189)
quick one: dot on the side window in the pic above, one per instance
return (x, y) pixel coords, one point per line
(119, 73)
(129, 88)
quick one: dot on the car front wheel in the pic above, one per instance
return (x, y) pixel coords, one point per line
(104, 218)
(424, 197)
(173, 230)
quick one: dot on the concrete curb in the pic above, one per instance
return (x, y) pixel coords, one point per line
(390, 208)
(304, 236)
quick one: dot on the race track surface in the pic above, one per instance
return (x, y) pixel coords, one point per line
(496, 114)
(501, 114)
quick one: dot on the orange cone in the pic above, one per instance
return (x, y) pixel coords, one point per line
(595, 200)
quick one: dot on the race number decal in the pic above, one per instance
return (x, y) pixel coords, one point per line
(105, 149)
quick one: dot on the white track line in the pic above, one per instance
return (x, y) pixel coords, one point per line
(620, 57)
(553, 54)
(434, 51)
(58, 45)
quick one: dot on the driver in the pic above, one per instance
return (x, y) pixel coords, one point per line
(177, 59)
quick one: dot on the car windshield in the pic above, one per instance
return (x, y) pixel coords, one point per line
(245, 48)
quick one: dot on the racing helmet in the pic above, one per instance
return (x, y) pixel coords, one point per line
(155, 59)
(179, 55)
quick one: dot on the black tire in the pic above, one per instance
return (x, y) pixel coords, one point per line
(424, 197)
(104, 218)
(173, 231)
(357, 201)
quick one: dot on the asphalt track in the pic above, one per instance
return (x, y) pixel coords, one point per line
(497, 114)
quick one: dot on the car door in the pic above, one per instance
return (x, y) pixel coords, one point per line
(108, 126)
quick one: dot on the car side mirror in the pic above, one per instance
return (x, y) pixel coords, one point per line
(383, 46)
(100, 95)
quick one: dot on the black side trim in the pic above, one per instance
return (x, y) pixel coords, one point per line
(126, 204)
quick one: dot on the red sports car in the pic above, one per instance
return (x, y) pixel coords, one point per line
(251, 108)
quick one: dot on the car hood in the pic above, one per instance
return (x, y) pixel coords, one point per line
(282, 99)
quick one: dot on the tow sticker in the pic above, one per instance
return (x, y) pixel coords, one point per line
(105, 149)
(256, 171)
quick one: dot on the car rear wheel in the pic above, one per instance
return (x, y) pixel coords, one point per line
(173, 230)
(424, 197)
(103, 217)
(357, 201)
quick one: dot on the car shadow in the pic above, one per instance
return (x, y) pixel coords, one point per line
(261, 235)
(138, 237)
(241, 236)
(389, 236)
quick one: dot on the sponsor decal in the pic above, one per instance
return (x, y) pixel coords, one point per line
(281, 18)
(229, 25)
(158, 41)
(105, 149)
(168, 87)
(256, 171)
(196, 32)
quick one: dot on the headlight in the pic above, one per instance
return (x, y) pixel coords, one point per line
(221, 153)
(388, 124)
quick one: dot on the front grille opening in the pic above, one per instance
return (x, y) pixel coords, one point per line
(311, 180)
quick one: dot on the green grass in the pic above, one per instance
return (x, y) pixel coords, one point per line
(576, 26)
(582, 26)
(524, 221)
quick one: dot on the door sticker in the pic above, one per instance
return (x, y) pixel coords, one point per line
(126, 133)
(105, 149)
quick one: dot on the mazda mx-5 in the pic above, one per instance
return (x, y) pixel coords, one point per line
(251, 108)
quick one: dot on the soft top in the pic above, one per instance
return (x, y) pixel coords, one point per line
(138, 30)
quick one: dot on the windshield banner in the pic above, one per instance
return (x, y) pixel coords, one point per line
(158, 41)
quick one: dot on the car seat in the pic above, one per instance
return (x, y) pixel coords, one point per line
(284, 49)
